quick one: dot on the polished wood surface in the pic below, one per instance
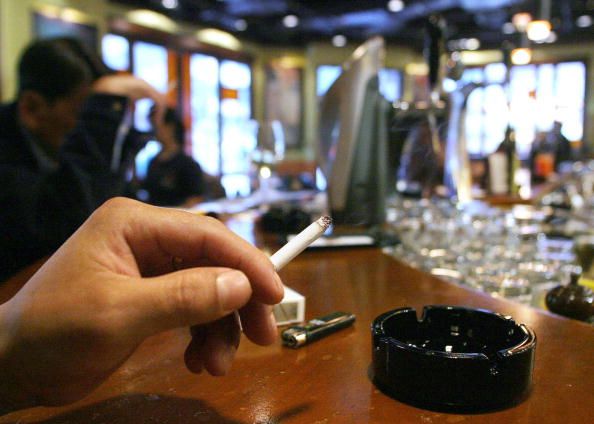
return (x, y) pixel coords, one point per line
(327, 381)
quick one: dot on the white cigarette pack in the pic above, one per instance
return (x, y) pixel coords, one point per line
(291, 309)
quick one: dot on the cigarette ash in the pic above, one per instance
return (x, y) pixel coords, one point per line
(325, 221)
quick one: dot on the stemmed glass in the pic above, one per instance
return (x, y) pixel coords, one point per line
(269, 151)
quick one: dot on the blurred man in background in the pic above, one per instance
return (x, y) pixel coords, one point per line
(63, 146)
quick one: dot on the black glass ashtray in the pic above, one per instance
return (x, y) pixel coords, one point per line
(453, 359)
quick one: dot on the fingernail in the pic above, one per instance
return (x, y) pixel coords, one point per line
(227, 358)
(221, 357)
(233, 289)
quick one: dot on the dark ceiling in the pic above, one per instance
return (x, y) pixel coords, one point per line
(261, 21)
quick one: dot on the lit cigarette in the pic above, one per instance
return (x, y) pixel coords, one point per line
(301, 241)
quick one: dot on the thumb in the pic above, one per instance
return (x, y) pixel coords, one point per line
(190, 297)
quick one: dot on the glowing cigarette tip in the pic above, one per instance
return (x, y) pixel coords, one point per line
(301, 241)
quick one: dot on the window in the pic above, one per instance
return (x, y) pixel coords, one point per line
(149, 62)
(220, 99)
(539, 95)
(116, 52)
(325, 76)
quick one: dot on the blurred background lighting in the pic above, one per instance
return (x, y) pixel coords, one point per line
(521, 21)
(472, 44)
(521, 56)
(395, 5)
(551, 38)
(538, 30)
(339, 41)
(219, 38)
(290, 21)
(240, 25)
(169, 4)
(152, 19)
(584, 21)
(508, 28)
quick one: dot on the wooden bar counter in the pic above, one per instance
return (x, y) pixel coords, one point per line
(327, 381)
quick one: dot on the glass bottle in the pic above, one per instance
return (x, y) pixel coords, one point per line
(502, 165)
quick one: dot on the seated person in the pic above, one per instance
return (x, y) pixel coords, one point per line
(62, 147)
(420, 166)
(173, 177)
(548, 152)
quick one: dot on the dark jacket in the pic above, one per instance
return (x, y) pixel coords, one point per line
(40, 207)
(171, 181)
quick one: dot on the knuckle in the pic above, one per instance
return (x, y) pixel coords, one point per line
(213, 222)
(115, 206)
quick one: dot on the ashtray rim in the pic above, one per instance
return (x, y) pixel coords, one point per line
(459, 382)
(526, 343)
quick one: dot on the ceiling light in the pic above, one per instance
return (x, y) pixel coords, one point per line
(521, 21)
(218, 38)
(449, 85)
(584, 21)
(169, 4)
(289, 62)
(464, 44)
(290, 21)
(508, 28)
(538, 30)
(151, 19)
(551, 38)
(240, 25)
(476, 58)
(521, 56)
(472, 44)
(73, 15)
(339, 41)
(49, 11)
(395, 5)
(420, 68)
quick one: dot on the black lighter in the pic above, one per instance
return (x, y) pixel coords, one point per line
(300, 335)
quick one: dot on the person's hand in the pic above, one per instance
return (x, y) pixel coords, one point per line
(132, 87)
(130, 271)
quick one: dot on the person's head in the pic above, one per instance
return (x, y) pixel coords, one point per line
(171, 129)
(54, 79)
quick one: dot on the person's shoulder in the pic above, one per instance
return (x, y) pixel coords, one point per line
(184, 157)
(8, 118)
(7, 108)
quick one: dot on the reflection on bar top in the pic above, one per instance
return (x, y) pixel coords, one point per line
(258, 198)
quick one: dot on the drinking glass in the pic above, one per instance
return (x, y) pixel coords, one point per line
(584, 252)
(269, 151)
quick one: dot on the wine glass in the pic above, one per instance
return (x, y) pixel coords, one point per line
(269, 151)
